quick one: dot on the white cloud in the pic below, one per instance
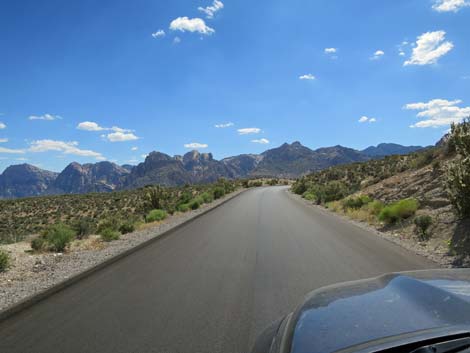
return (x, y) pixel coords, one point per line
(11, 151)
(261, 141)
(449, 5)
(430, 46)
(224, 125)
(307, 77)
(377, 55)
(143, 156)
(365, 119)
(48, 117)
(3, 140)
(196, 145)
(330, 50)
(210, 11)
(64, 147)
(466, 77)
(249, 130)
(2, 126)
(184, 24)
(120, 136)
(134, 148)
(90, 126)
(438, 112)
(159, 34)
(177, 40)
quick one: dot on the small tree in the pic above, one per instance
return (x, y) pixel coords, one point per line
(458, 173)
(422, 224)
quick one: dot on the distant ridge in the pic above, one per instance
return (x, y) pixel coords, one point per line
(288, 161)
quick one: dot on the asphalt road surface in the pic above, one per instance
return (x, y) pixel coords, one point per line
(212, 286)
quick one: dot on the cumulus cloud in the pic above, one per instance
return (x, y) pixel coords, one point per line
(120, 136)
(2, 126)
(210, 11)
(224, 125)
(196, 145)
(262, 141)
(64, 147)
(134, 148)
(184, 24)
(11, 151)
(159, 34)
(438, 112)
(90, 126)
(449, 5)
(430, 46)
(377, 55)
(3, 140)
(307, 77)
(366, 119)
(330, 50)
(249, 130)
(47, 117)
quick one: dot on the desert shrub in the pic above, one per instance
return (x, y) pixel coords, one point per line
(183, 207)
(331, 191)
(108, 234)
(299, 187)
(38, 244)
(127, 227)
(4, 261)
(356, 202)
(245, 184)
(310, 196)
(155, 216)
(207, 197)
(273, 182)
(108, 223)
(398, 211)
(375, 207)
(194, 204)
(422, 224)
(83, 227)
(55, 238)
(458, 173)
(256, 184)
(219, 192)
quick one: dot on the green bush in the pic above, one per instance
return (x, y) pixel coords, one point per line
(108, 223)
(219, 192)
(109, 234)
(4, 261)
(356, 202)
(299, 187)
(309, 196)
(56, 237)
(207, 197)
(398, 211)
(375, 207)
(83, 227)
(183, 207)
(155, 216)
(458, 173)
(127, 227)
(194, 204)
(422, 224)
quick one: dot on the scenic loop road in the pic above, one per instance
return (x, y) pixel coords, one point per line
(212, 286)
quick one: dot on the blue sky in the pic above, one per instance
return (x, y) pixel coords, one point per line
(115, 79)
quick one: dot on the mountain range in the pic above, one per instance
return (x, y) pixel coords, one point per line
(286, 161)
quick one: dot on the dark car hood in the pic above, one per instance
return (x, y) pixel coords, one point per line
(349, 314)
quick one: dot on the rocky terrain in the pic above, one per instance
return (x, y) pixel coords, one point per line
(287, 161)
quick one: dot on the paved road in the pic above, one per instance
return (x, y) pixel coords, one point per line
(210, 287)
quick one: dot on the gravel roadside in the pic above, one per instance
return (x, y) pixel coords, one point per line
(31, 274)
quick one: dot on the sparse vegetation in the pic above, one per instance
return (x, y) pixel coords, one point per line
(92, 213)
(4, 261)
(422, 224)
